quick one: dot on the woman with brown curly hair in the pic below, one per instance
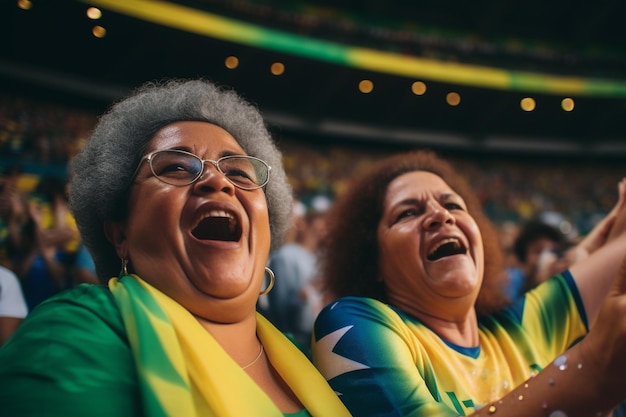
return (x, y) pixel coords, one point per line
(420, 325)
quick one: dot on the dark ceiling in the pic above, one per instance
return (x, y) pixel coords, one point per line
(49, 50)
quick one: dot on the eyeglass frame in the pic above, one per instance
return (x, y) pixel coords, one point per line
(215, 163)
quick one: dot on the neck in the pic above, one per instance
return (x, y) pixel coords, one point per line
(239, 339)
(462, 331)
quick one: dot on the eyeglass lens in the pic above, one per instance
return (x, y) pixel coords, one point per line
(180, 168)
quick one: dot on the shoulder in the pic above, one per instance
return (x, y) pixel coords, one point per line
(88, 296)
(556, 291)
(87, 308)
(70, 351)
(349, 312)
(346, 305)
(7, 277)
(84, 319)
(12, 303)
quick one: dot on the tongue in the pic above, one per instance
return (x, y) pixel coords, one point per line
(448, 249)
(215, 228)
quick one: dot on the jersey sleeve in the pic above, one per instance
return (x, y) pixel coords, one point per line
(70, 357)
(554, 315)
(365, 352)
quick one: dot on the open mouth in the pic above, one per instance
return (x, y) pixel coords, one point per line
(447, 247)
(217, 225)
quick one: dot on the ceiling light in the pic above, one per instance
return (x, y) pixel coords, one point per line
(453, 99)
(366, 86)
(94, 13)
(418, 88)
(528, 104)
(567, 104)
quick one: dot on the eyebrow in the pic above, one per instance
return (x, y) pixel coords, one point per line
(178, 148)
(191, 151)
(444, 196)
(447, 196)
(231, 153)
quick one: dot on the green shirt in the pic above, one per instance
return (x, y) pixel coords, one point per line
(71, 357)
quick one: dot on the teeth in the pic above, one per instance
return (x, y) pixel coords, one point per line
(214, 213)
(445, 241)
(218, 213)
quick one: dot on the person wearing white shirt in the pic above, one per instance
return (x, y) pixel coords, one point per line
(12, 304)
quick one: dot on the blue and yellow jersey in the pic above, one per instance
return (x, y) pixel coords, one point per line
(383, 362)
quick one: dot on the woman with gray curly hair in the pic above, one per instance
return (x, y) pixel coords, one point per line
(179, 195)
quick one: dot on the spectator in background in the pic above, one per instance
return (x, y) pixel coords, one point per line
(539, 248)
(544, 251)
(508, 232)
(39, 262)
(293, 304)
(84, 268)
(49, 245)
(13, 215)
(12, 304)
(59, 222)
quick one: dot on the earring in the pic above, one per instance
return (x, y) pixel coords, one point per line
(271, 284)
(124, 270)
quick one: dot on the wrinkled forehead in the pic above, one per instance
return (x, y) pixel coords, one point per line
(194, 137)
(416, 185)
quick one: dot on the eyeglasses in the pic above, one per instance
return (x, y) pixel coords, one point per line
(176, 167)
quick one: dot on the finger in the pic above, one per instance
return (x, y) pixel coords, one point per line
(621, 189)
(619, 286)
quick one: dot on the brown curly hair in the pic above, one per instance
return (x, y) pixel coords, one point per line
(349, 254)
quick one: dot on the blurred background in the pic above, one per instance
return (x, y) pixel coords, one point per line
(528, 97)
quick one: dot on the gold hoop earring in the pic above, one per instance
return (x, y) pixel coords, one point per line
(124, 270)
(271, 284)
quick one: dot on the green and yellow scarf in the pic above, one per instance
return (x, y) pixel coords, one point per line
(183, 371)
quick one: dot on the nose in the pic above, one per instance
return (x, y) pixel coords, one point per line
(212, 179)
(437, 215)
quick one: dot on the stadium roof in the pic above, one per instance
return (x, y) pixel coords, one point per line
(492, 54)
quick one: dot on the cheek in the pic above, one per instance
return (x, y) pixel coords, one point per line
(480, 258)
(153, 215)
(476, 240)
(397, 249)
(259, 216)
(263, 230)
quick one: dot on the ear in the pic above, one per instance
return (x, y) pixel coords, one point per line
(116, 235)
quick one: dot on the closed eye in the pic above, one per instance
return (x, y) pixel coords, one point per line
(410, 212)
(453, 206)
(233, 172)
(172, 164)
(162, 170)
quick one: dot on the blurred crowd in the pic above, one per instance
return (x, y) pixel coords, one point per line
(40, 244)
(573, 194)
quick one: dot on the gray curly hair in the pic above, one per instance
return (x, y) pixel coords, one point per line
(103, 170)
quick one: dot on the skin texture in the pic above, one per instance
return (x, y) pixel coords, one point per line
(410, 200)
(217, 281)
(109, 159)
(212, 279)
(8, 325)
(421, 211)
(350, 256)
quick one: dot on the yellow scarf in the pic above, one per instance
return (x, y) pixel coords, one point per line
(183, 371)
